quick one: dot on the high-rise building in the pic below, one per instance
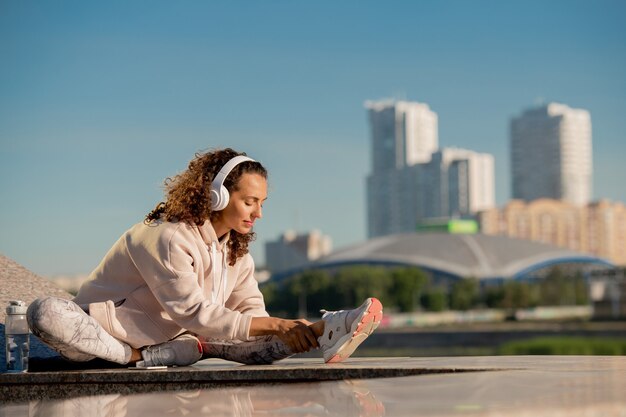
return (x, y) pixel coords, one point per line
(457, 183)
(411, 179)
(393, 201)
(551, 154)
(403, 134)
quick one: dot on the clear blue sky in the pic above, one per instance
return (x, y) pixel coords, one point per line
(100, 101)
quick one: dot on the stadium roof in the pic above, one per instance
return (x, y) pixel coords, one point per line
(458, 255)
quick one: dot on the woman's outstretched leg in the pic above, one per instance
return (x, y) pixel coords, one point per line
(339, 333)
(262, 350)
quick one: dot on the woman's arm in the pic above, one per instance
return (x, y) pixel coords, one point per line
(300, 335)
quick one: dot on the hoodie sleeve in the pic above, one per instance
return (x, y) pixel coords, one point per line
(246, 296)
(168, 261)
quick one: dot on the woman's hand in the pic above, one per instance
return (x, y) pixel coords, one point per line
(297, 334)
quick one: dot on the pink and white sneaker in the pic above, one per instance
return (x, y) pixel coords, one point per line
(345, 330)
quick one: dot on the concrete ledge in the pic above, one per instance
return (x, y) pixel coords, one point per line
(479, 386)
(210, 373)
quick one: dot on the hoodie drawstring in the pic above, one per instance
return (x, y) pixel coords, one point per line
(224, 278)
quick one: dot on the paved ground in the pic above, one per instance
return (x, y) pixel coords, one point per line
(473, 386)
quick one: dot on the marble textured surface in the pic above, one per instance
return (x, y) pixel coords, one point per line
(207, 374)
(490, 386)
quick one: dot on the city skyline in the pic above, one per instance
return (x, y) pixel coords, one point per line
(412, 179)
(99, 103)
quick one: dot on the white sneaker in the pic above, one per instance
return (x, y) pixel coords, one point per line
(345, 330)
(182, 351)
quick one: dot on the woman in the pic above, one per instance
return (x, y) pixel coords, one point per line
(180, 286)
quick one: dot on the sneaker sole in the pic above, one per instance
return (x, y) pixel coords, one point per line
(360, 331)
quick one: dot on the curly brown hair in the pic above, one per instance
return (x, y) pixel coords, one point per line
(189, 195)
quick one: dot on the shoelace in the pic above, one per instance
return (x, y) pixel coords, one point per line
(326, 311)
(156, 357)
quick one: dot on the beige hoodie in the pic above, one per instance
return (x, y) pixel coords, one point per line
(165, 278)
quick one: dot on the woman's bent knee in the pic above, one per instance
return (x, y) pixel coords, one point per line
(43, 311)
(35, 312)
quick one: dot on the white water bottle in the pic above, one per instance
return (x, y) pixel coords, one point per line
(16, 334)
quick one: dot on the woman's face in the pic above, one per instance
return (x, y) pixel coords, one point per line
(244, 206)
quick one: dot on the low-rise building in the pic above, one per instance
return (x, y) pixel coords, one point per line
(598, 228)
(293, 250)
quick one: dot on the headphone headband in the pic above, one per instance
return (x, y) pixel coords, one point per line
(219, 193)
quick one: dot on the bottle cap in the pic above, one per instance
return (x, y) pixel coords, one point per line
(17, 307)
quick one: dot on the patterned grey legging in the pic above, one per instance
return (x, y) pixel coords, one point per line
(260, 351)
(68, 329)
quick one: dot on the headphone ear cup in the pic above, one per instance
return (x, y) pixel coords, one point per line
(219, 199)
(215, 200)
(224, 197)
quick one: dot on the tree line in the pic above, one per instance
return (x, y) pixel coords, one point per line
(407, 289)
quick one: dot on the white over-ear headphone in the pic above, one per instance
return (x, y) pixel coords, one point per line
(219, 193)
